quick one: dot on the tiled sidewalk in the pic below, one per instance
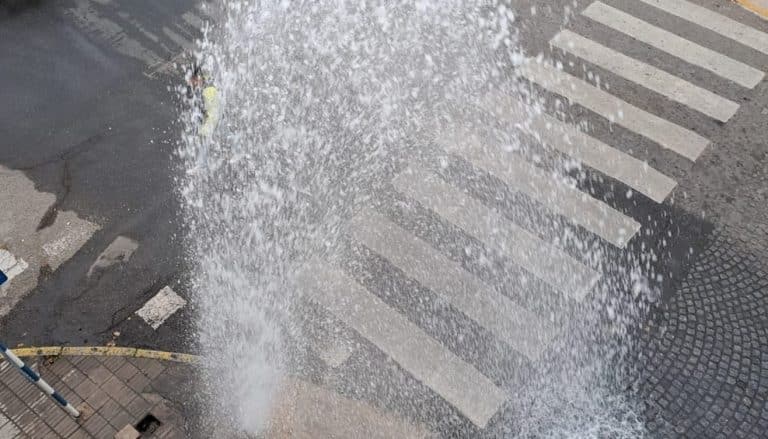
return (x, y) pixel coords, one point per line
(112, 394)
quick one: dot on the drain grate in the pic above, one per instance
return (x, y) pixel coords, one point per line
(148, 424)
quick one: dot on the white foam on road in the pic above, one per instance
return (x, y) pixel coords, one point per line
(688, 51)
(544, 188)
(570, 140)
(674, 88)
(715, 22)
(456, 381)
(160, 307)
(667, 134)
(519, 328)
(498, 234)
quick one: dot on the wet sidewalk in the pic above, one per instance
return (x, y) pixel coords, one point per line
(117, 396)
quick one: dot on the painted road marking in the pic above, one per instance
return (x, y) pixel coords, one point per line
(667, 134)
(570, 140)
(119, 251)
(193, 20)
(543, 260)
(87, 17)
(692, 53)
(715, 22)
(520, 175)
(759, 7)
(157, 309)
(11, 266)
(519, 328)
(647, 76)
(178, 39)
(456, 381)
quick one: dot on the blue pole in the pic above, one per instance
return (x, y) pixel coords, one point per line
(32, 376)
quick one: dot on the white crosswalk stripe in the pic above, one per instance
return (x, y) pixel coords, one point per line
(648, 76)
(715, 22)
(576, 206)
(518, 327)
(668, 135)
(570, 140)
(426, 358)
(178, 39)
(668, 42)
(458, 382)
(193, 20)
(543, 260)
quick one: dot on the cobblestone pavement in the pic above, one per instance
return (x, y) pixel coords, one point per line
(705, 356)
(112, 394)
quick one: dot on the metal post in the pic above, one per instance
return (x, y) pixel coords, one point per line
(32, 375)
(39, 382)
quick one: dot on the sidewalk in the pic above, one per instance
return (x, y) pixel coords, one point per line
(113, 394)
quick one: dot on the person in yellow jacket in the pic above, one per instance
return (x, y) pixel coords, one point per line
(209, 100)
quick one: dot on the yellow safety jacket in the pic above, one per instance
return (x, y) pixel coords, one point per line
(211, 106)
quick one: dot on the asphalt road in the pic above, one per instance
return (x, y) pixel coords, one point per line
(85, 123)
(91, 119)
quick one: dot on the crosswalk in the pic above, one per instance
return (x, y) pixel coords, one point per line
(156, 46)
(369, 310)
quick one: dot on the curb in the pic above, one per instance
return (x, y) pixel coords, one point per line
(105, 351)
(755, 7)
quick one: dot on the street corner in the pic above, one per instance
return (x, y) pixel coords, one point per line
(35, 235)
(117, 392)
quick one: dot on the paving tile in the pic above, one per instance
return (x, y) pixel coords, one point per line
(66, 426)
(139, 407)
(126, 371)
(80, 433)
(86, 389)
(98, 399)
(119, 392)
(61, 366)
(110, 409)
(9, 430)
(127, 432)
(138, 383)
(53, 414)
(88, 365)
(28, 421)
(15, 407)
(73, 378)
(150, 368)
(100, 374)
(94, 424)
(122, 419)
(112, 363)
(108, 432)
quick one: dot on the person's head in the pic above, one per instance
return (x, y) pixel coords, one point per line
(197, 79)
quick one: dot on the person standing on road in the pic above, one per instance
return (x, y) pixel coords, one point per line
(208, 96)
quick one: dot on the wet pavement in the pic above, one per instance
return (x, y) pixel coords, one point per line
(88, 146)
